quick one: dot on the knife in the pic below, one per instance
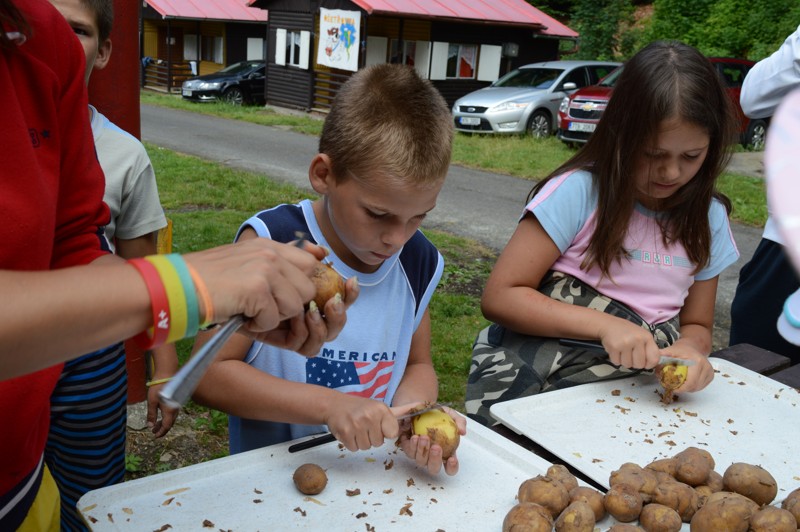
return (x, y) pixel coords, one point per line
(596, 346)
(178, 390)
(328, 437)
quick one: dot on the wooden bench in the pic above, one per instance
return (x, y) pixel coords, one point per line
(789, 376)
(755, 359)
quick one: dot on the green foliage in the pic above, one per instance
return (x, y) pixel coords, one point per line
(750, 29)
(133, 463)
(598, 23)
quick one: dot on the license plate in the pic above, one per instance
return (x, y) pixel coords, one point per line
(187, 93)
(469, 121)
(581, 126)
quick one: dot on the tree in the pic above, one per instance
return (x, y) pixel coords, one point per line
(598, 22)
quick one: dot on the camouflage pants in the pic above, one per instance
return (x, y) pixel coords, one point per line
(508, 365)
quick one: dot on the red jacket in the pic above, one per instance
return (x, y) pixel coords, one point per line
(51, 191)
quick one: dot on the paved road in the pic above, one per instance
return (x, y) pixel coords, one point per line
(474, 204)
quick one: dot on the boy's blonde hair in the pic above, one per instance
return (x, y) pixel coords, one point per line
(387, 119)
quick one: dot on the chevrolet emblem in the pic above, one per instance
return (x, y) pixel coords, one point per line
(589, 106)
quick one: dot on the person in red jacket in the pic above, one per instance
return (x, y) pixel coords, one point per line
(58, 281)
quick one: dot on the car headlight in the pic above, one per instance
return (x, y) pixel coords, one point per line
(509, 106)
(564, 106)
(210, 85)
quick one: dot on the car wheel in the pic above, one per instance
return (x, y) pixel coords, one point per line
(233, 96)
(756, 135)
(539, 125)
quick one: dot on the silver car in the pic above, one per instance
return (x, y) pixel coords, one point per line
(526, 99)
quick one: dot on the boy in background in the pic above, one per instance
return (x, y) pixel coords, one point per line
(86, 445)
(383, 156)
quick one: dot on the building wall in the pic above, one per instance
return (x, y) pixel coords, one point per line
(288, 86)
(314, 88)
(234, 38)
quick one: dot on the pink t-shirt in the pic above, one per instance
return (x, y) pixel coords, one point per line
(654, 279)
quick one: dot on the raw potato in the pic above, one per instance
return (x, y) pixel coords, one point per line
(623, 502)
(560, 472)
(528, 517)
(310, 479)
(660, 518)
(714, 481)
(577, 517)
(752, 481)
(665, 465)
(591, 496)
(721, 495)
(792, 504)
(441, 428)
(693, 465)
(672, 376)
(679, 496)
(328, 284)
(545, 491)
(730, 512)
(642, 480)
(703, 493)
(772, 519)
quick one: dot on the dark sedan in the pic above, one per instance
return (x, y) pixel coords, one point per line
(239, 83)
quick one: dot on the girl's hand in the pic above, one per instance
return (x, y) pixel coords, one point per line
(169, 414)
(360, 423)
(700, 374)
(629, 345)
(425, 454)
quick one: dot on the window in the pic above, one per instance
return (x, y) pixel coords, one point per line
(408, 55)
(293, 48)
(461, 61)
(211, 49)
(190, 47)
(255, 49)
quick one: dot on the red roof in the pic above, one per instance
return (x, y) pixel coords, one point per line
(517, 12)
(234, 10)
(514, 12)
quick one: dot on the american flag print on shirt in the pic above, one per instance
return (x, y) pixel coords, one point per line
(363, 379)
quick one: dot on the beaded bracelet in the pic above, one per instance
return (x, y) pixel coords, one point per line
(159, 303)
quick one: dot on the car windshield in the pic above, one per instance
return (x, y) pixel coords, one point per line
(611, 79)
(537, 78)
(237, 68)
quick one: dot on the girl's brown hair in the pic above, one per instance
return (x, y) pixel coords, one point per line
(664, 80)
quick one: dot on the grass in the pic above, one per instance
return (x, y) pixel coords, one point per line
(520, 156)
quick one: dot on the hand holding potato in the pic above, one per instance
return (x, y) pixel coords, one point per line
(436, 448)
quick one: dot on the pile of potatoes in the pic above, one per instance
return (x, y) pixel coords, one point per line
(660, 496)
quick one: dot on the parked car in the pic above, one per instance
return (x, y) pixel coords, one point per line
(239, 83)
(526, 99)
(579, 112)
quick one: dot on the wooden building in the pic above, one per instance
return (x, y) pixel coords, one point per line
(182, 38)
(313, 46)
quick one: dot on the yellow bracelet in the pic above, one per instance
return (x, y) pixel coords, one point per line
(157, 382)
